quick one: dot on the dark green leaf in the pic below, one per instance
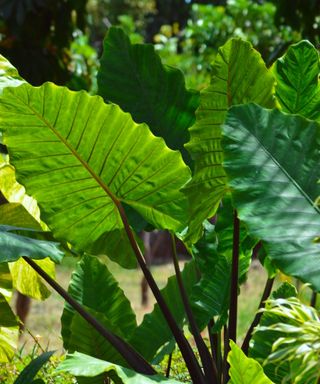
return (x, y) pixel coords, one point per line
(133, 77)
(13, 246)
(272, 162)
(285, 291)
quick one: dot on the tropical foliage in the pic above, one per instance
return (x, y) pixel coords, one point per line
(102, 168)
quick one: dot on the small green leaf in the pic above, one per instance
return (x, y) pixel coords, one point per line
(27, 281)
(5, 281)
(30, 371)
(287, 341)
(8, 318)
(245, 370)
(24, 278)
(9, 331)
(93, 286)
(15, 215)
(285, 291)
(13, 246)
(15, 192)
(297, 76)
(79, 364)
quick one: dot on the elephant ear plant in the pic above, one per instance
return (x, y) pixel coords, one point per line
(148, 153)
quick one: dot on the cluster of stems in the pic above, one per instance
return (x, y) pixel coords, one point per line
(212, 367)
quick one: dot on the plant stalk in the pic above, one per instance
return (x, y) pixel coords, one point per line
(265, 295)
(169, 365)
(226, 348)
(190, 359)
(215, 343)
(232, 331)
(233, 309)
(313, 301)
(133, 358)
(208, 363)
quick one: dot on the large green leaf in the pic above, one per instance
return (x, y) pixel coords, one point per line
(80, 158)
(272, 162)
(93, 286)
(9, 331)
(239, 76)
(133, 77)
(297, 76)
(154, 331)
(244, 370)
(79, 364)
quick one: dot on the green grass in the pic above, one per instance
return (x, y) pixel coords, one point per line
(10, 371)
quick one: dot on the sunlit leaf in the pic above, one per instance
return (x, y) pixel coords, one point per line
(27, 281)
(80, 165)
(245, 370)
(239, 76)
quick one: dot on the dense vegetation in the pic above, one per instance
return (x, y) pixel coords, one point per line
(232, 171)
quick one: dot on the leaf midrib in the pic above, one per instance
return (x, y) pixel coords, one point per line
(104, 186)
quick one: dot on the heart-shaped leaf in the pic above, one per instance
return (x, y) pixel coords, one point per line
(81, 158)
